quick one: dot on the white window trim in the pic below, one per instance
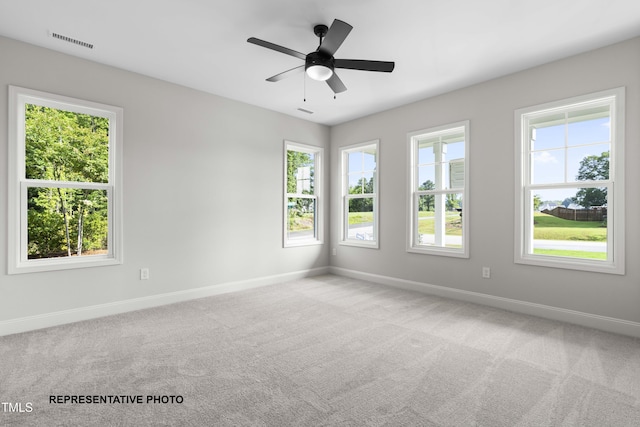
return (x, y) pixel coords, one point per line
(344, 195)
(17, 191)
(616, 198)
(412, 228)
(318, 153)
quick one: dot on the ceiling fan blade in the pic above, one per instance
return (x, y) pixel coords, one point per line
(276, 47)
(284, 74)
(338, 31)
(361, 64)
(336, 84)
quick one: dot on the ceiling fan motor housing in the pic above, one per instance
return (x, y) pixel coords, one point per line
(318, 58)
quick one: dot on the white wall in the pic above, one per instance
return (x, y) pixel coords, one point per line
(203, 184)
(490, 108)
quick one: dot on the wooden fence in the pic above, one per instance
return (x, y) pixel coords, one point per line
(593, 214)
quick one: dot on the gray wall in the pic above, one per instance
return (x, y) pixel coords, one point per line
(490, 108)
(203, 180)
(188, 218)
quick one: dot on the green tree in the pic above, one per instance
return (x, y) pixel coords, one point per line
(593, 168)
(63, 146)
(537, 201)
(365, 204)
(295, 161)
(452, 202)
(426, 202)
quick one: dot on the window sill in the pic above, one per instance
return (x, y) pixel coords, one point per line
(439, 251)
(294, 244)
(372, 245)
(594, 266)
(43, 265)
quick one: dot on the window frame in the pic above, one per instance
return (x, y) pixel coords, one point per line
(18, 261)
(523, 251)
(413, 140)
(345, 196)
(318, 238)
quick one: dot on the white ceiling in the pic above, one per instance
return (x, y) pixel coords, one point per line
(437, 46)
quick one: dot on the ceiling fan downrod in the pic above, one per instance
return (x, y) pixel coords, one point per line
(320, 30)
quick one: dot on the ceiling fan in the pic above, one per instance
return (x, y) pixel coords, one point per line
(320, 64)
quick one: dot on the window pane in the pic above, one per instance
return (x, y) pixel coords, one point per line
(360, 183)
(426, 177)
(453, 221)
(65, 146)
(425, 153)
(300, 172)
(549, 136)
(301, 214)
(362, 161)
(456, 174)
(64, 222)
(570, 222)
(593, 125)
(360, 224)
(588, 163)
(426, 220)
(547, 166)
(369, 158)
(455, 151)
(355, 162)
(440, 220)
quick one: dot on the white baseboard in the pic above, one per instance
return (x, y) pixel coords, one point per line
(47, 320)
(609, 324)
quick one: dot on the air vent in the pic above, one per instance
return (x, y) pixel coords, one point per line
(71, 40)
(305, 111)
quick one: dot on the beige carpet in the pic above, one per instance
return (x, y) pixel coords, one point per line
(322, 351)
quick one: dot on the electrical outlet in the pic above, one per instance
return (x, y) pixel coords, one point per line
(486, 273)
(144, 274)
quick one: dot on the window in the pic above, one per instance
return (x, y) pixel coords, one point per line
(360, 176)
(570, 183)
(302, 213)
(64, 182)
(438, 176)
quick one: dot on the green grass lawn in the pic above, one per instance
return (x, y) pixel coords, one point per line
(360, 217)
(301, 223)
(572, 254)
(453, 223)
(548, 227)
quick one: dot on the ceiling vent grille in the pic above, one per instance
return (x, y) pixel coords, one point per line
(71, 40)
(305, 111)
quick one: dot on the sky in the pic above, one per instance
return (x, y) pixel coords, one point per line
(558, 151)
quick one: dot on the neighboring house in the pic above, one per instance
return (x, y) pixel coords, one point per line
(547, 206)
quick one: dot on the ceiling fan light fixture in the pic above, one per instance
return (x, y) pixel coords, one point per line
(318, 66)
(319, 72)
